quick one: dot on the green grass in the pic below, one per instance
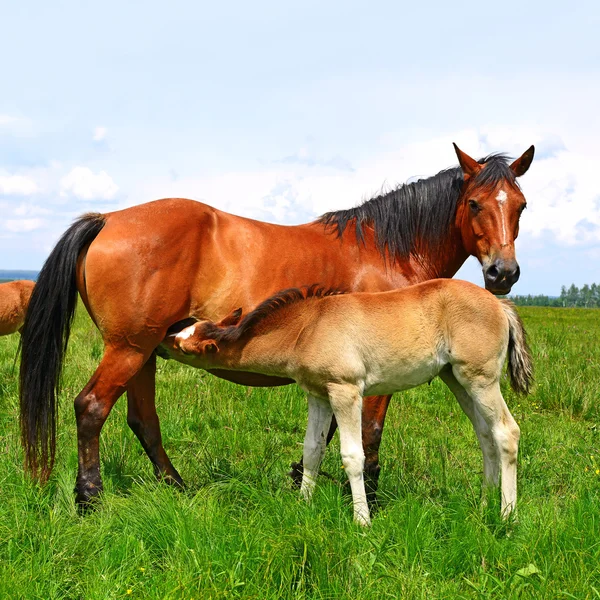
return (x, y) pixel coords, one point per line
(241, 531)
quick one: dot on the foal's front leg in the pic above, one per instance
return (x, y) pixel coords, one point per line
(319, 419)
(346, 402)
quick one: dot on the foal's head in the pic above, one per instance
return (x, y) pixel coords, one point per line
(194, 338)
(489, 208)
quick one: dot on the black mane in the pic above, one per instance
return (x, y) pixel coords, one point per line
(266, 309)
(417, 217)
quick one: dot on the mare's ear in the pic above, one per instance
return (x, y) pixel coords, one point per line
(209, 347)
(522, 164)
(470, 167)
(233, 318)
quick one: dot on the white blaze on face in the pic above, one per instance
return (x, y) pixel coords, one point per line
(184, 334)
(501, 199)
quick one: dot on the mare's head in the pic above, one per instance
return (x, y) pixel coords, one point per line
(488, 212)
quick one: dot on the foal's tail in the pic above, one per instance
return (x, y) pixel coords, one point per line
(520, 363)
(44, 341)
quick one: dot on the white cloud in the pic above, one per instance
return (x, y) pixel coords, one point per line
(84, 184)
(22, 225)
(16, 126)
(7, 120)
(17, 185)
(99, 134)
(30, 210)
(561, 187)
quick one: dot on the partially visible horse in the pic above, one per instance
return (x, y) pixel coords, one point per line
(14, 299)
(341, 347)
(141, 269)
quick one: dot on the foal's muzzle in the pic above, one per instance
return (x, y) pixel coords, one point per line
(501, 275)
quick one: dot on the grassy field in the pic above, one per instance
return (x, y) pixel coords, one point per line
(241, 531)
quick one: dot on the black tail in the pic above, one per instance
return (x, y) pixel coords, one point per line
(44, 341)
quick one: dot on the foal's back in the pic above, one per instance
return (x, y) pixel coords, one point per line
(400, 339)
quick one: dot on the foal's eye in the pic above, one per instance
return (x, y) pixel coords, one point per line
(522, 208)
(474, 206)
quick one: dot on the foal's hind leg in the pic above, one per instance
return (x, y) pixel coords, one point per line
(92, 407)
(319, 419)
(143, 421)
(491, 472)
(489, 403)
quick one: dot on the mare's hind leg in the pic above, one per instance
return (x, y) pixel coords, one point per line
(346, 402)
(144, 422)
(489, 403)
(491, 472)
(319, 419)
(92, 407)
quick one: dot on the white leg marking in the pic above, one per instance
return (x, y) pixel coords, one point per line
(346, 403)
(319, 420)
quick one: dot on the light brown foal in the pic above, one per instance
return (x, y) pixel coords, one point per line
(14, 298)
(339, 348)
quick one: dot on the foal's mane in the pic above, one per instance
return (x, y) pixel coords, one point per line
(417, 217)
(266, 309)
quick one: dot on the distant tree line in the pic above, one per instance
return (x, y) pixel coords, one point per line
(588, 296)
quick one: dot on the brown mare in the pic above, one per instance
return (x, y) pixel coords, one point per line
(339, 348)
(141, 269)
(14, 298)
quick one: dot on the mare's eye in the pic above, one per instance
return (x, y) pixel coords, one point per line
(474, 206)
(522, 208)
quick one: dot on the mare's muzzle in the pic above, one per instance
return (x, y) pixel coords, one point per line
(501, 275)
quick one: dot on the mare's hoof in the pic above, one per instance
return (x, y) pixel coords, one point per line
(173, 480)
(296, 474)
(86, 497)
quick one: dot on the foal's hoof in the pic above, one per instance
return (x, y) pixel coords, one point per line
(296, 474)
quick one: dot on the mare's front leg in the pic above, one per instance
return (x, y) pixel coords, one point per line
(373, 419)
(92, 407)
(319, 419)
(143, 421)
(346, 402)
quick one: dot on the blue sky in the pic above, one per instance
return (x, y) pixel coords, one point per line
(283, 112)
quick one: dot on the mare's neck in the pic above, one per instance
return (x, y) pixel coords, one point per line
(441, 262)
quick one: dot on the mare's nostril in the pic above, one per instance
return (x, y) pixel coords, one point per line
(492, 273)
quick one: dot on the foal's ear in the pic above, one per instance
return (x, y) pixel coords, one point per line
(208, 347)
(233, 318)
(522, 164)
(469, 166)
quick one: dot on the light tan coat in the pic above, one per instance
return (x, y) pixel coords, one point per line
(14, 299)
(340, 348)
